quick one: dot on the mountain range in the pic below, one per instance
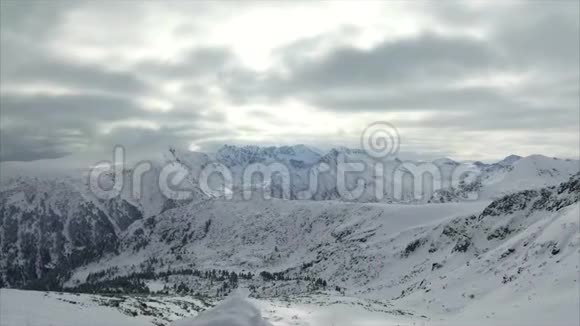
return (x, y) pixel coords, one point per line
(433, 258)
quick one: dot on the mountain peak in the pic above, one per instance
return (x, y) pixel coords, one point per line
(445, 160)
(242, 155)
(509, 160)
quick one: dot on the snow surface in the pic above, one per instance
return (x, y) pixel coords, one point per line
(233, 311)
(513, 261)
(32, 308)
(244, 233)
(534, 171)
(35, 308)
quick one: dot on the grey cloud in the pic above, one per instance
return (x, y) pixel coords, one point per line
(527, 32)
(396, 62)
(422, 74)
(139, 141)
(502, 119)
(475, 108)
(51, 126)
(26, 59)
(27, 63)
(415, 99)
(37, 127)
(32, 19)
(40, 127)
(84, 77)
(387, 67)
(416, 73)
(413, 74)
(552, 39)
(25, 144)
(67, 108)
(146, 143)
(196, 63)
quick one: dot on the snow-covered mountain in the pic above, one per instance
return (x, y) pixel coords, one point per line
(307, 166)
(295, 156)
(442, 261)
(48, 223)
(245, 234)
(433, 259)
(436, 258)
(51, 226)
(512, 174)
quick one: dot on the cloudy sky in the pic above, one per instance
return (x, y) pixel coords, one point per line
(468, 80)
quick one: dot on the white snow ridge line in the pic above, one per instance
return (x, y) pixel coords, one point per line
(233, 311)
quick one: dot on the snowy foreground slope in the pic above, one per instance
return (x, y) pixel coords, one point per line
(233, 311)
(32, 308)
(35, 308)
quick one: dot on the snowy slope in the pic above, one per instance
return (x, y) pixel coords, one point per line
(246, 234)
(511, 175)
(49, 226)
(437, 260)
(34, 308)
(238, 310)
(535, 171)
(233, 311)
(514, 250)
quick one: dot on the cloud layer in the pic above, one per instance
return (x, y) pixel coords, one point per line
(469, 80)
